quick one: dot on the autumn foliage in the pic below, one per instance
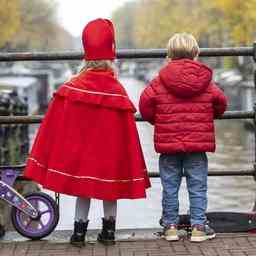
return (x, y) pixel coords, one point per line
(9, 20)
(214, 23)
(30, 24)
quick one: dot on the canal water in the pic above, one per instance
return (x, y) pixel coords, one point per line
(235, 147)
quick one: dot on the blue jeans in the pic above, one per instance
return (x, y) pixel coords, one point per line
(194, 166)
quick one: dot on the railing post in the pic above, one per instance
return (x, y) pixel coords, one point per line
(254, 108)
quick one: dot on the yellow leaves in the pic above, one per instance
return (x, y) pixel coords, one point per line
(9, 20)
(155, 22)
(38, 28)
(238, 17)
(31, 24)
(216, 23)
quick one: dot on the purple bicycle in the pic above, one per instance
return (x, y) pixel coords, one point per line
(34, 215)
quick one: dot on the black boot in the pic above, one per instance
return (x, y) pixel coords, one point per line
(2, 231)
(78, 237)
(107, 235)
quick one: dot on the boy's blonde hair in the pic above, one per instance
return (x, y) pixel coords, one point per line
(182, 45)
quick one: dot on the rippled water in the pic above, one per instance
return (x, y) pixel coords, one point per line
(235, 147)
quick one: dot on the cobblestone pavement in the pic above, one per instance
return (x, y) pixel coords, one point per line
(223, 245)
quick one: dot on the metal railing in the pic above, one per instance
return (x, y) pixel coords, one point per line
(137, 54)
(124, 54)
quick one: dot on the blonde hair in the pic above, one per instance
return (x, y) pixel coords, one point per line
(182, 45)
(98, 64)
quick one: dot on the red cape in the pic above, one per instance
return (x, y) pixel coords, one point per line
(88, 144)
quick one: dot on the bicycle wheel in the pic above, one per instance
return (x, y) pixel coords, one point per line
(42, 226)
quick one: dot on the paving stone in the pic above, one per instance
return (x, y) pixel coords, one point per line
(230, 245)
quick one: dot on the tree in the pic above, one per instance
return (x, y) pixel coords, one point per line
(31, 24)
(214, 23)
(167, 18)
(9, 20)
(124, 25)
(239, 18)
(38, 24)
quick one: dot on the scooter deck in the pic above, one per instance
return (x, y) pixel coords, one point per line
(225, 222)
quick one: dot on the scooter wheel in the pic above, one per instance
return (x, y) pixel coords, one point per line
(42, 226)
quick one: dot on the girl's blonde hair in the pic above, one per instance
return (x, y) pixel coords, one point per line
(98, 64)
(182, 45)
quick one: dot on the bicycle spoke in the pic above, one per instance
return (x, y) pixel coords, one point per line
(46, 211)
(41, 223)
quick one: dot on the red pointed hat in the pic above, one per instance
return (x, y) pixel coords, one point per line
(99, 40)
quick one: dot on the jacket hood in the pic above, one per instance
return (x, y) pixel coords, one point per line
(185, 78)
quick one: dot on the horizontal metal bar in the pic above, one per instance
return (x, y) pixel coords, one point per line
(228, 51)
(121, 54)
(204, 52)
(227, 115)
(35, 119)
(16, 167)
(254, 51)
(218, 173)
(38, 118)
(251, 172)
(210, 173)
(238, 115)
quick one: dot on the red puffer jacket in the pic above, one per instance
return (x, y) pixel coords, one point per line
(182, 103)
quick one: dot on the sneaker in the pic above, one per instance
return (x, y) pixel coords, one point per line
(171, 233)
(202, 233)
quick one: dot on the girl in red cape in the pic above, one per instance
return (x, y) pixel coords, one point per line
(88, 145)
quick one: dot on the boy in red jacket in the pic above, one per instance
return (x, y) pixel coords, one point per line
(88, 145)
(182, 102)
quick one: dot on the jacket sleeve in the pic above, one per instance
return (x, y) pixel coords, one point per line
(219, 101)
(147, 104)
